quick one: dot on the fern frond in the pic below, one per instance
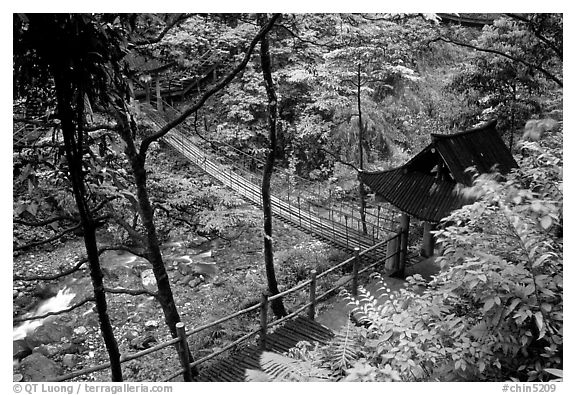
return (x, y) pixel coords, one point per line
(276, 367)
(343, 350)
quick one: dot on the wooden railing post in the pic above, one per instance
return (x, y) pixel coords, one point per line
(398, 250)
(355, 269)
(263, 320)
(312, 298)
(346, 219)
(184, 352)
(378, 223)
(299, 214)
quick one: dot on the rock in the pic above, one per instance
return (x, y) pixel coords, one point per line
(20, 349)
(15, 293)
(49, 332)
(148, 280)
(151, 324)
(23, 300)
(218, 282)
(47, 350)
(142, 342)
(136, 318)
(44, 291)
(81, 330)
(185, 268)
(37, 367)
(131, 335)
(69, 360)
(91, 319)
(17, 377)
(195, 282)
(71, 348)
(206, 268)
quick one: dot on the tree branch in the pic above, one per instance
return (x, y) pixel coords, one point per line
(339, 160)
(39, 317)
(133, 292)
(44, 222)
(153, 40)
(545, 40)
(215, 88)
(505, 55)
(49, 240)
(126, 226)
(77, 266)
(304, 40)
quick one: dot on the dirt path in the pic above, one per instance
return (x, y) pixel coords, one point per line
(337, 314)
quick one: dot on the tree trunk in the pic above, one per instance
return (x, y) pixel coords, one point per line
(153, 253)
(361, 190)
(74, 151)
(277, 305)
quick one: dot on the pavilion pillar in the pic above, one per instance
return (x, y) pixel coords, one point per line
(428, 240)
(148, 95)
(404, 229)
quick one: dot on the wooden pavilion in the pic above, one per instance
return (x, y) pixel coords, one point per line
(427, 186)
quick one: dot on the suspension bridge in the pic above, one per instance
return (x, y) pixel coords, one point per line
(372, 244)
(340, 226)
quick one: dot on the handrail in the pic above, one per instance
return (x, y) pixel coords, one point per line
(350, 207)
(295, 288)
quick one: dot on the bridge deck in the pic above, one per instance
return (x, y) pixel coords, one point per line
(285, 337)
(297, 214)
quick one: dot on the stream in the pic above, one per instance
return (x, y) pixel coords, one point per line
(185, 261)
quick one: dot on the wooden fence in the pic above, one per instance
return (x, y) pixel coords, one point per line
(357, 261)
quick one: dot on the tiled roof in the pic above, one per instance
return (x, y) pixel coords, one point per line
(426, 186)
(418, 194)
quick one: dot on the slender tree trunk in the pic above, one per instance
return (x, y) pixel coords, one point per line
(512, 126)
(74, 151)
(277, 305)
(138, 164)
(361, 190)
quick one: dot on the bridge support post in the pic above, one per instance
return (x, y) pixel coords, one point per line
(184, 352)
(355, 269)
(263, 320)
(312, 298)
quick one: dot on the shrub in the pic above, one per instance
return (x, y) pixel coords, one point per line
(494, 312)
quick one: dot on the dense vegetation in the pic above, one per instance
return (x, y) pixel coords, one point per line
(320, 96)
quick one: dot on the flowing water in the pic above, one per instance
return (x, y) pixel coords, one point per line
(61, 301)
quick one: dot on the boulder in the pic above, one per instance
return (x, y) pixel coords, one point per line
(148, 280)
(151, 324)
(48, 350)
(37, 367)
(142, 342)
(20, 349)
(49, 332)
(81, 330)
(69, 360)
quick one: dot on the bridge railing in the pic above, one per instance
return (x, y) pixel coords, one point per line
(296, 190)
(322, 222)
(320, 197)
(357, 262)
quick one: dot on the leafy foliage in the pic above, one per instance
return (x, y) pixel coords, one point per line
(277, 367)
(509, 87)
(495, 311)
